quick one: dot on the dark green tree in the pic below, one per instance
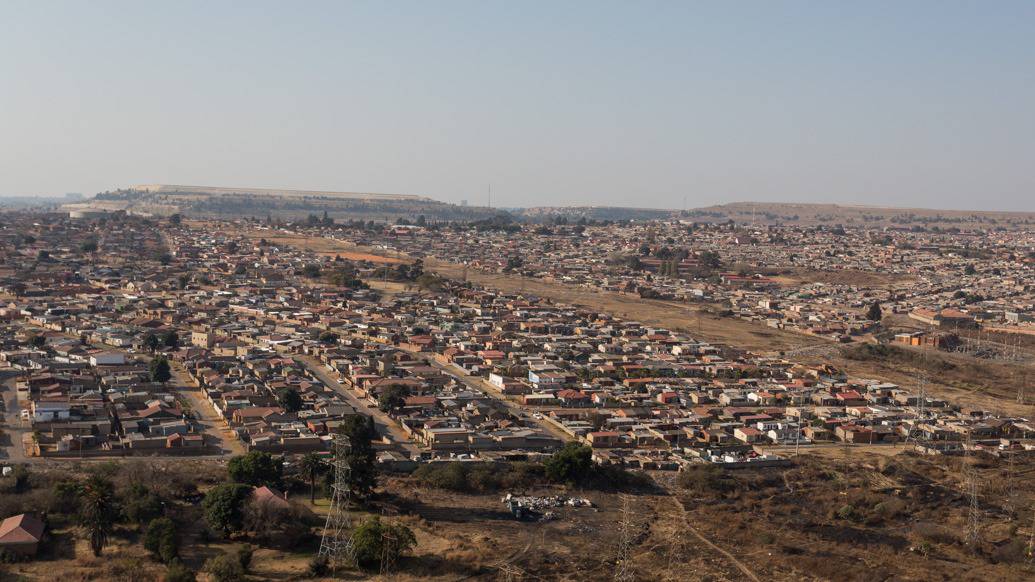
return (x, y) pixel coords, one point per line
(363, 473)
(874, 313)
(310, 467)
(170, 339)
(711, 260)
(374, 540)
(256, 468)
(160, 371)
(151, 342)
(290, 400)
(140, 505)
(572, 464)
(97, 511)
(392, 397)
(160, 539)
(224, 506)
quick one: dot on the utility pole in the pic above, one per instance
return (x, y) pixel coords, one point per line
(336, 543)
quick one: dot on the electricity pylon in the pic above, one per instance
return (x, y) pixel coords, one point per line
(336, 544)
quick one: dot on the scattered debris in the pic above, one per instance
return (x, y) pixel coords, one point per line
(532, 508)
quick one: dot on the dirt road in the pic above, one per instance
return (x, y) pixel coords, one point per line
(11, 449)
(205, 415)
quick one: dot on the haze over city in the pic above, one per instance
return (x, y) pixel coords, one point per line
(920, 104)
(495, 291)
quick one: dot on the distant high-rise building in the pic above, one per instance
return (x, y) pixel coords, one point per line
(463, 203)
(74, 196)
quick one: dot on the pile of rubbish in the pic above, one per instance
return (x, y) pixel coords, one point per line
(532, 508)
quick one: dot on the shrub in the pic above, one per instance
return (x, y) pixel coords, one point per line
(8, 557)
(244, 556)
(451, 476)
(848, 513)
(177, 572)
(1013, 551)
(572, 464)
(319, 566)
(705, 479)
(140, 505)
(371, 537)
(612, 477)
(480, 477)
(934, 533)
(224, 568)
(16, 482)
(160, 539)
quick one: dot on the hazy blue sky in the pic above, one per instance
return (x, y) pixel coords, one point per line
(903, 103)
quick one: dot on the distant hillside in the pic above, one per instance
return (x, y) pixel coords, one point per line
(177, 190)
(543, 213)
(215, 201)
(847, 214)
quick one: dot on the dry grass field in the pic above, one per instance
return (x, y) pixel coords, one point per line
(828, 516)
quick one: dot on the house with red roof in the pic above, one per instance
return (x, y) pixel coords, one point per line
(21, 534)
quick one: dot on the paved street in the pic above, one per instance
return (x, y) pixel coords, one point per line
(482, 385)
(384, 424)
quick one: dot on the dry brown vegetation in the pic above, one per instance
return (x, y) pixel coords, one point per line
(860, 517)
(799, 276)
(870, 517)
(326, 247)
(962, 379)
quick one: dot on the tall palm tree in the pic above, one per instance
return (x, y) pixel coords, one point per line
(311, 467)
(97, 511)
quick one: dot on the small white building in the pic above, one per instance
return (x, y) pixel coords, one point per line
(107, 359)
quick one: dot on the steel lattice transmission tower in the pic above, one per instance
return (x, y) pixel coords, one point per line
(336, 543)
(970, 483)
(916, 434)
(389, 543)
(626, 533)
